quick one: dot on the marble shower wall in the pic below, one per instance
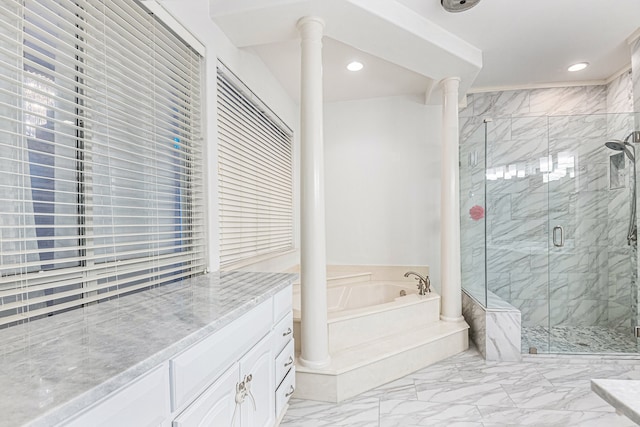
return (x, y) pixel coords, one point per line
(563, 130)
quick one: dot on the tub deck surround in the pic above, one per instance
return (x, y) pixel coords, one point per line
(56, 366)
(375, 334)
(624, 395)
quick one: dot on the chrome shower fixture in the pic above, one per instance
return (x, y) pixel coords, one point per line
(458, 5)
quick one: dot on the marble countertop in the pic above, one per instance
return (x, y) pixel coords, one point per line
(624, 395)
(51, 368)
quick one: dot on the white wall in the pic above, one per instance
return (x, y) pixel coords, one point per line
(382, 181)
(194, 16)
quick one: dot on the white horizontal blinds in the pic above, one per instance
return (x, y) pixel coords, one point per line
(100, 135)
(255, 175)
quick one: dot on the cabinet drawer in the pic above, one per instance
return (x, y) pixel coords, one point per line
(201, 364)
(145, 402)
(216, 406)
(282, 303)
(283, 333)
(284, 392)
(284, 362)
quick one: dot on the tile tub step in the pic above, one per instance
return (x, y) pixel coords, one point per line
(357, 369)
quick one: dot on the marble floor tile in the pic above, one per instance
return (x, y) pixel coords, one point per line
(352, 413)
(467, 391)
(402, 389)
(400, 413)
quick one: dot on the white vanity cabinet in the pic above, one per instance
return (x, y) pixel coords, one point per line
(240, 375)
(284, 351)
(218, 405)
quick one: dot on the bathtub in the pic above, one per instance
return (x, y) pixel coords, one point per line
(365, 311)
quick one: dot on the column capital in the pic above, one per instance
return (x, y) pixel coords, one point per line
(307, 21)
(449, 83)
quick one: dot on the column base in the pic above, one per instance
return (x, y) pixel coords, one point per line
(451, 319)
(312, 364)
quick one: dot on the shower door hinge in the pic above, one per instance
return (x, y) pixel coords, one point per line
(637, 331)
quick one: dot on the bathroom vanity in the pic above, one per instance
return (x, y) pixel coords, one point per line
(214, 350)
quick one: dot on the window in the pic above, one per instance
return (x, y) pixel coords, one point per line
(100, 155)
(255, 175)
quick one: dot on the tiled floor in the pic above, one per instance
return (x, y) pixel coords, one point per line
(467, 391)
(583, 339)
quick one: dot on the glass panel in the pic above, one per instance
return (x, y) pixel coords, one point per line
(472, 206)
(592, 286)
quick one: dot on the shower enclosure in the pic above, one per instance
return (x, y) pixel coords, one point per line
(548, 226)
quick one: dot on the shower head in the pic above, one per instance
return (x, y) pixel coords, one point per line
(618, 145)
(458, 5)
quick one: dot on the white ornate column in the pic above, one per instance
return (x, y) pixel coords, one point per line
(313, 275)
(451, 286)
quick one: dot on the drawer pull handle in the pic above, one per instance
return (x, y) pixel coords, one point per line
(292, 389)
(289, 362)
(287, 332)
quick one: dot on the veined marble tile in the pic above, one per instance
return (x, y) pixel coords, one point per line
(529, 286)
(582, 312)
(519, 230)
(352, 413)
(588, 286)
(402, 389)
(568, 100)
(463, 393)
(517, 152)
(503, 335)
(635, 70)
(620, 94)
(500, 284)
(505, 373)
(534, 312)
(419, 413)
(501, 258)
(472, 131)
(467, 111)
(499, 205)
(501, 104)
(492, 416)
(499, 130)
(529, 206)
(530, 128)
(437, 373)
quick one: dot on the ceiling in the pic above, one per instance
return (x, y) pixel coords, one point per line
(521, 43)
(532, 42)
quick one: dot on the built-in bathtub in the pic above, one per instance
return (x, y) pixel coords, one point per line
(365, 311)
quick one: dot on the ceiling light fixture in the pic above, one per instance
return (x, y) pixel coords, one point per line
(355, 66)
(579, 66)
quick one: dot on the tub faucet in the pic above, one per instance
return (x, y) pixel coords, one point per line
(424, 284)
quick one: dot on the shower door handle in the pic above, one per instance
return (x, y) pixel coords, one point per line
(557, 243)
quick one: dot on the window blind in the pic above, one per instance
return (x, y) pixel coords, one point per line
(254, 173)
(100, 155)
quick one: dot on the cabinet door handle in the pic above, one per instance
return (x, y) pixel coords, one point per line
(289, 362)
(287, 332)
(291, 390)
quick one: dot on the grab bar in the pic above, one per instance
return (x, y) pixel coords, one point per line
(555, 241)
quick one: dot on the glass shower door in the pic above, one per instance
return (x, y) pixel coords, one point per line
(592, 258)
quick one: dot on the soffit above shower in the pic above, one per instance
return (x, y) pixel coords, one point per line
(413, 53)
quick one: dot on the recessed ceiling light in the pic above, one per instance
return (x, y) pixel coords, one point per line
(579, 66)
(355, 66)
